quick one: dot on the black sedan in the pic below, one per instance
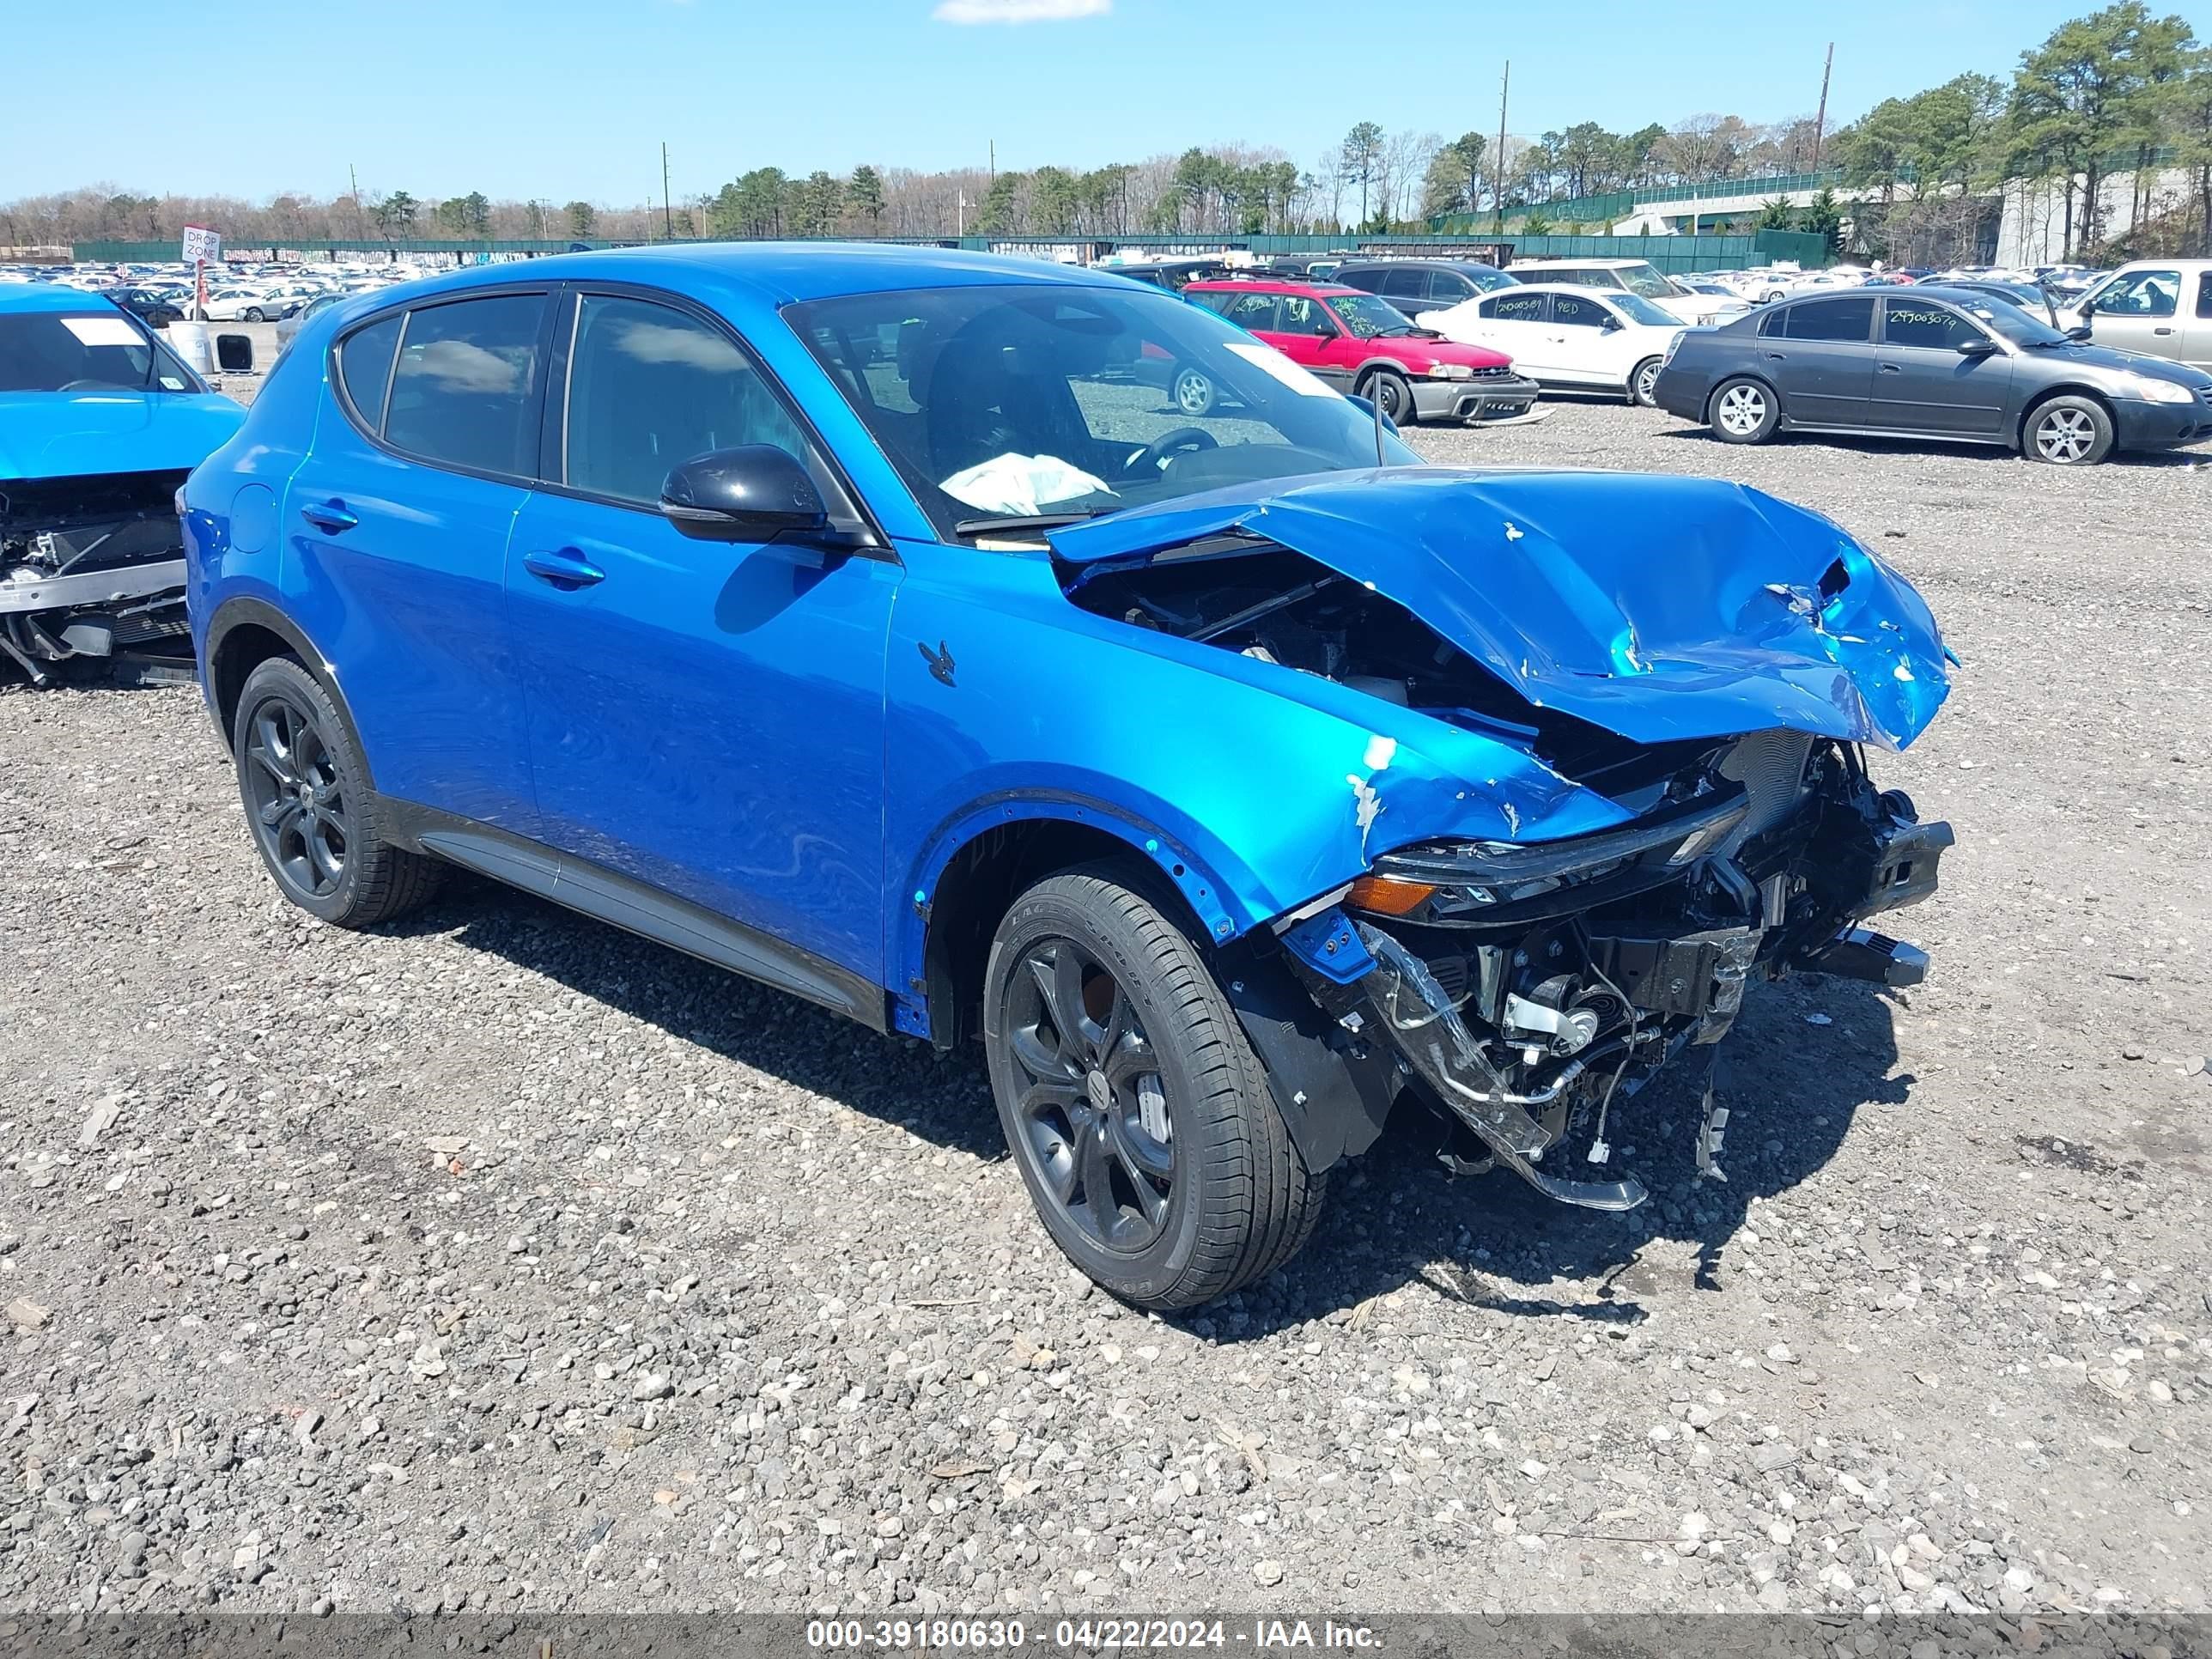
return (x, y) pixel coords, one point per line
(158, 310)
(1930, 362)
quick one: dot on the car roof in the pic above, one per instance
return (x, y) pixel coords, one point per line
(49, 296)
(785, 271)
(1574, 265)
(1604, 295)
(1278, 285)
(1411, 262)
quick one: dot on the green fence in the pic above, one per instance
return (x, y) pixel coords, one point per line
(1670, 253)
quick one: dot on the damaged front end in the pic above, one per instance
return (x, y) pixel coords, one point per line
(1527, 990)
(92, 568)
(1695, 668)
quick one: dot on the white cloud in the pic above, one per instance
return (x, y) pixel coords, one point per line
(1018, 11)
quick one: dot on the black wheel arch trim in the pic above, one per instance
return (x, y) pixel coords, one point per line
(1334, 1091)
(593, 890)
(246, 610)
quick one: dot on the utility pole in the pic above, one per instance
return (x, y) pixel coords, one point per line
(960, 222)
(668, 215)
(1820, 121)
(995, 161)
(1497, 167)
(353, 179)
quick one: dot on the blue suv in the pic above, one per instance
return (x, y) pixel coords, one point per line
(867, 620)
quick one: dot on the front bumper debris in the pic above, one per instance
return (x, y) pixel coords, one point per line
(1538, 994)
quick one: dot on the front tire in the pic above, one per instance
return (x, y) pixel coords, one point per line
(253, 315)
(2067, 431)
(1139, 1117)
(1644, 383)
(1390, 392)
(314, 820)
(1743, 411)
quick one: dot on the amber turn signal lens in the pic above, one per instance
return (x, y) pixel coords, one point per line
(1381, 895)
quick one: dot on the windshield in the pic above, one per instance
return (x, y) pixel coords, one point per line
(1646, 280)
(94, 351)
(1368, 316)
(2007, 320)
(1038, 400)
(1639, 310)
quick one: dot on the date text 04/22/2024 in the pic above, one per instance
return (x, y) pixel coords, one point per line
(1087, 1635)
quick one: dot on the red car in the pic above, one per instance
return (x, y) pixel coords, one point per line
(1360, 343)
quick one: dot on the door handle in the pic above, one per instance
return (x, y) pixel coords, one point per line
(330, 516)
(2161, 330)
(565, 568)
(1891, 368)
(1772, 356)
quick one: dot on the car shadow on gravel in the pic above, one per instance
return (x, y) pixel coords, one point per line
(944, 1099)
(1794, 1089)
(1806, 1057)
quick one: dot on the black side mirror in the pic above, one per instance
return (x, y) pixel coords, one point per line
(753, 493)
(233, 354)
(1982, 347)
(2082, 333)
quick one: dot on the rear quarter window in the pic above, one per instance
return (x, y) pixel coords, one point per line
(364, 367)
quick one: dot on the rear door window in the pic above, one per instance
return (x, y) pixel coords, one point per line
(365, 366)
(1847, 322)
(1927, 325)
(1253, 312)
(2204, 295)
(1515, 308)
(464, 391)
(1405, 285)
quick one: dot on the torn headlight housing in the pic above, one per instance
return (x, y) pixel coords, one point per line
(1486, 883)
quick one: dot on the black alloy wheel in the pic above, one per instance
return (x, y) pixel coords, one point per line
(316, 820)
(1092, 1107)
(296, 798)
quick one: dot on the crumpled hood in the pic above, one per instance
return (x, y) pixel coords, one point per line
(67, 435)
(1656, 607)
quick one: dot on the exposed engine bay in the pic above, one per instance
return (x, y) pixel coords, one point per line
(92, 569)
(1527, 990)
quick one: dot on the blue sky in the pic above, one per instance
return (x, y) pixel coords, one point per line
(561, 98)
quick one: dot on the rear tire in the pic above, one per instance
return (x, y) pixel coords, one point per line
(1139, 1117)
(317, 824)
(2067, 431)
(1743, 411)
(1192, 391)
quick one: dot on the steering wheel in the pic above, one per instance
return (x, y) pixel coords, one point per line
(91, 384)
(1155, 454)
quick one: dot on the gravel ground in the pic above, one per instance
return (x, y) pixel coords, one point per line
(496, 1259)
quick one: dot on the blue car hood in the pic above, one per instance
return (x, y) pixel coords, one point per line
(66, 435)
(1657, 608)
